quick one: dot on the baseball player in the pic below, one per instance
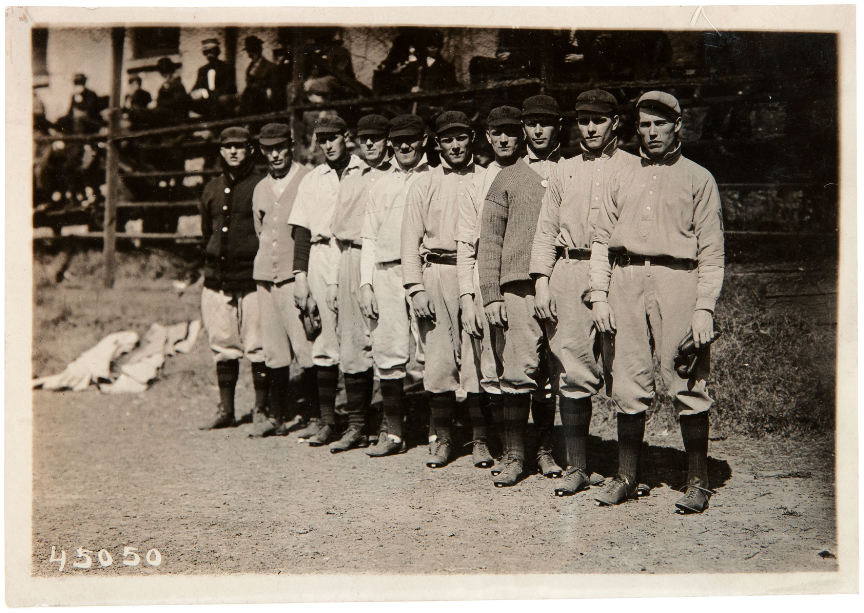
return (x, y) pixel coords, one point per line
(429, 231)
(229, 302)
(382, 294)
(559, 266)
(355, 344)
(504, 133)
(316, 259)
(507, 228)
(283, 338)
(662, 225)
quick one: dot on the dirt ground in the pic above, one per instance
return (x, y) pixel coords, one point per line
(134, 471)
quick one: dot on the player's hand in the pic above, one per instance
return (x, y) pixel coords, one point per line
(496, 313)
(604, 320)
(544, 304)
(368, 303)
(301, 290)
(468, 315)
(332, 293)
(703, 327)
(422, 306)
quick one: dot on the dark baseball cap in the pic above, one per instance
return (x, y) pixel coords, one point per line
(449, 120)
(373, 125)
(597, 101)
(667, 104)
(504, 116)
(274, 134)
(540, 106)
(234, 134)
(407, 125)
(330, 124)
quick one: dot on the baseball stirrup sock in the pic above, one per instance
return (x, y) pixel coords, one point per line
(280, 393)
(516, 410)
(393, 399)
(358, 389)
(576, 419)
(261, 383)
(441, 410)
(543, 413)
(631, 430)
(328, 381)
(694, 431)
(477, 416)
(227, 373)
(309, 392)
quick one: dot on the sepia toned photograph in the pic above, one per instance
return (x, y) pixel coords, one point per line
(430, 304)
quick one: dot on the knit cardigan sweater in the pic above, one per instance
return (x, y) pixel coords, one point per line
(507, 226)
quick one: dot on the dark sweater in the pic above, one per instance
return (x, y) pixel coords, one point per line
(507, 226)
(228, 230)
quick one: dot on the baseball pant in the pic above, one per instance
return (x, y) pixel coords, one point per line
(282, 334)
(485, 347)
(524, 352)
(355, 342)
(323, 265)
(451, 364)
(391, 332)
(572, 338)
(651, 301)
(232, 323)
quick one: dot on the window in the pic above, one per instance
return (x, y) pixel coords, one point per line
(155, 42)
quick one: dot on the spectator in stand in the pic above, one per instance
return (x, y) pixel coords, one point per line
(84, 108)
(172, 102)
(432, 72)
(137, 99)
(260, 76)
(512, 58)
(392, 74)
(215, 88)
(332, 70)
(282, 76)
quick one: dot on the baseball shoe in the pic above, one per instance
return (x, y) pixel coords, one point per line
(322, 437)
(311, 428)
(263, 424)
(223, 419)
(574, 480)
(546, 464)
(510, 473)
(439, 451)
(480, 454)
(386, 446)
(286, 427)
(616, 491)
(353, 437)
(695, 498)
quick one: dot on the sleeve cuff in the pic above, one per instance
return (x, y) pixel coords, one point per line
(413, 288)
(705, 304)
(599, 296)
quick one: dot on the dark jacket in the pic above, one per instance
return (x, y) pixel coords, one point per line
(172, 101)
(260, 76)
(226, 83)
(228, 230)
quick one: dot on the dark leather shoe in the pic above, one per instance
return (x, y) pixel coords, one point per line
(385, 446)
(695, 498)
(616, 491)
(223, 419)
(311, 428)
(546, 464)
(322, 437)
(353, 437)
(480, 454)
(439, 452)
(511, 471)
(574, 480)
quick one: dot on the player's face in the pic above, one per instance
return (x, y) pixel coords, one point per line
(234, 153)
(373, 147)
(278, 157)
(333, 146)
(596, 129)
(408, 150)
(505, 141)
(541, 133)
(456, 147)
(658, 132)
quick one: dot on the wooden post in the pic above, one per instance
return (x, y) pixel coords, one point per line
(297, 59)
(112, 174)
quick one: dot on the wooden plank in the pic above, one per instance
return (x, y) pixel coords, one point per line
(112, 164)
(156, 174)
(157, 204)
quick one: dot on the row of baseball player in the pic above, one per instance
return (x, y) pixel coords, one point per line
(524, 283)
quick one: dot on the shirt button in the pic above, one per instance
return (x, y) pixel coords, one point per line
(227, 190)
(224, 228)
(225, 208)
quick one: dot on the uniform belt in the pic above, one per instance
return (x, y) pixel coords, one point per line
(347, 244)
(628, 259)
(448, 259)
(572, 254)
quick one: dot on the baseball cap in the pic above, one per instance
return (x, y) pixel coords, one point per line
(274, 134)
(660, 101)
(406, 125)
(451, 119)
(372, 125)
(504, 116)
(234, 134)
(540, 105)
(596, 101)
(209, 44)
(330, 124)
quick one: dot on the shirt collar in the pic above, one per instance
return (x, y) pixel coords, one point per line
(607, 151)
(421, 165)
(447, 168)
(353, 162)
(669, 158)
(553, 156)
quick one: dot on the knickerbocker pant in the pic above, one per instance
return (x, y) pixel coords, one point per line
(391, 332)
(524, 352)
(648, 300)
(355, 341)
(486, 347)
(232, 323)
(282, 334)
(323, 264)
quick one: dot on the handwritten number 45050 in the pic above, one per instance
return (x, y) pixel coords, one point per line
(84, 559)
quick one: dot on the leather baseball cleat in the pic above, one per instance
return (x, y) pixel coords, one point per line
(574, 480)
(510, 473)
(439, 452)
(353, 437)
(223, 419)
(311, 428)
(546, 464)
(322, 437)
(695, 498)
(480, 455)
(386, 446)
(616, 491)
